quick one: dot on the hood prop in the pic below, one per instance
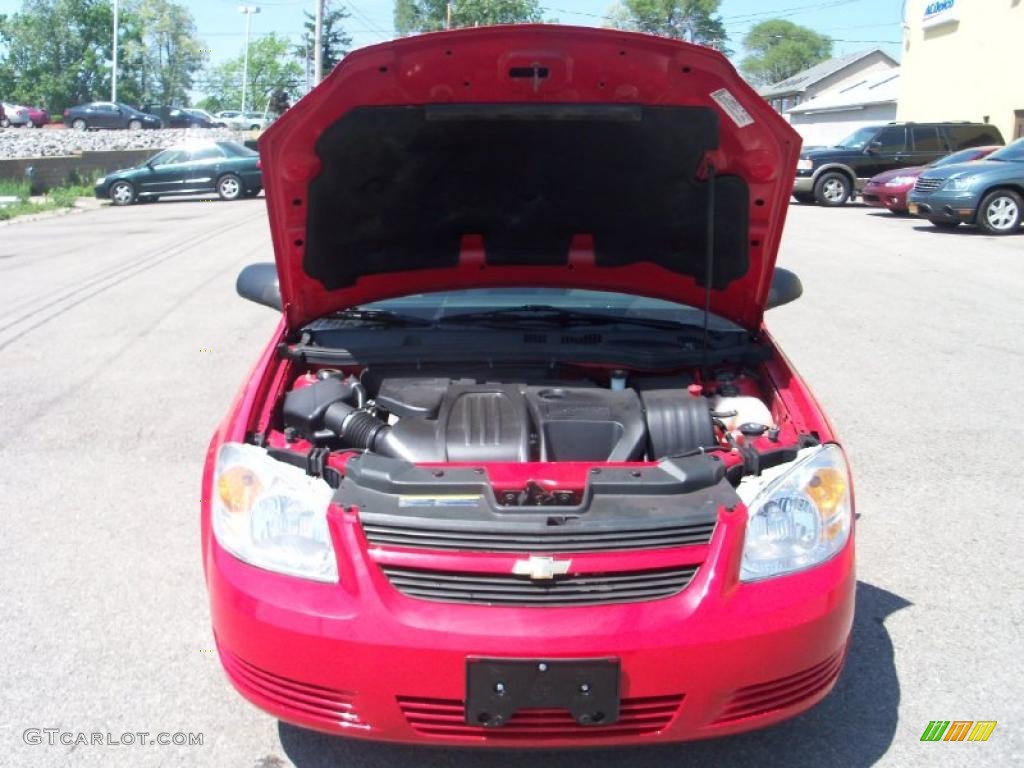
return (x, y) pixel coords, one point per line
(709, 264)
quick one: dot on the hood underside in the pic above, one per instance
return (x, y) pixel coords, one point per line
(528, 155)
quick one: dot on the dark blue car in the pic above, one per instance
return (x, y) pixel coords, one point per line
(108, 114)
(988, 193)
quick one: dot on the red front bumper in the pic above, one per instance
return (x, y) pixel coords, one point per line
(880, 196)
(359, 658)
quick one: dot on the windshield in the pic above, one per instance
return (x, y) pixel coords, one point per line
(858, 139)
(963, 156)
(446, 304)
(1013, 153)
(236, 149)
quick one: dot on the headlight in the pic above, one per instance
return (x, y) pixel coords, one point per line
(272, 515)
(801, 518)
(900, 181)
(100, 180)
(804, 164)
(960, 183)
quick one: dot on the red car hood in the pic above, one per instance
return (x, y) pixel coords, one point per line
(528, 155)
(881, 178)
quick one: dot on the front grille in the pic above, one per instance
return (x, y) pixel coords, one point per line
(871, 198)
(327, 706)
(778, 694)
(447, 718)
(509, 589)
(928, 185)
(563, 538)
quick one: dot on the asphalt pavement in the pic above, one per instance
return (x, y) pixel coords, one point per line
(123, 343)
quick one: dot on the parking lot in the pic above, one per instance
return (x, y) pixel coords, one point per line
(123, 344)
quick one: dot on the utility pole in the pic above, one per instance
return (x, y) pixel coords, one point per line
(448, 16)
(248, 10)
(318, 44)
(113, 71)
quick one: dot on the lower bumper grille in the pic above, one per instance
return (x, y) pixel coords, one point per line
(767, 697)
(325, 705)
(508, 589)
(446, 717)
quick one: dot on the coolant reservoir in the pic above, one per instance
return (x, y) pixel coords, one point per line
(748, 410)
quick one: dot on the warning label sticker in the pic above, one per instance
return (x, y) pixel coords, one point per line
(732, 107)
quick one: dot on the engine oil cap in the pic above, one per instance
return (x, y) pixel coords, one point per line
(695, 389)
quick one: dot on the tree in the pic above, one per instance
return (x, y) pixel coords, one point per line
(413, 16)
(333, 37)
(169, 55)
(56, 53)
(779, 49)
(693, 20)
(272, 67)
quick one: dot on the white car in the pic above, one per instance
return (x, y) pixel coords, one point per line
(243, 121)
(15, 115)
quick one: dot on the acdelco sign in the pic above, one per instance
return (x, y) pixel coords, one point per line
(940, 12)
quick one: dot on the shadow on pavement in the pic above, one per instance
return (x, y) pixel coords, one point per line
(963, 230)
(853, 727)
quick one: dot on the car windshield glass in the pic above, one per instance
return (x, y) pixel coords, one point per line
(1013, 153)
(963, 156)
(858, 139)
(237, 150)
(167, 157)
(448, 304)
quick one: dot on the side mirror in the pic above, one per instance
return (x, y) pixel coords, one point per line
(786, 287)
(873, 147)
(258, 282)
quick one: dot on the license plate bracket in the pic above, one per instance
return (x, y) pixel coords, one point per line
(497, 688)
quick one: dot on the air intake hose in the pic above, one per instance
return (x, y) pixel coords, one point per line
(358, 429)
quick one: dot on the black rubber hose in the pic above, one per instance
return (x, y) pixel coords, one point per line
(358, 429)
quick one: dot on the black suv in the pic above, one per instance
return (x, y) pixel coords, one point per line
(831, 175)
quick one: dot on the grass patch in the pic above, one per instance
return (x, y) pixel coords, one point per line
(56, 198)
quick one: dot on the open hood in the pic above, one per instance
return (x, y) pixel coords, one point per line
(529, 155)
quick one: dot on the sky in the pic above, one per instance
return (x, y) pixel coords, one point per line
(853, 24)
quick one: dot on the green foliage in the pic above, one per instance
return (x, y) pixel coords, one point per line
(59, 197)
(693, 20)
(14, 187)
(271, 67)
(333, 37)
(161, 52)
(413, 16)
(58, 53)
(779, 49)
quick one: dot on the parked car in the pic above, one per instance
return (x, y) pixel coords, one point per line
(247, 121)
(224, 167)
(474, 492)
(833, 175)
(988, 193)
(107, 114)
(214, 122)
(38, 117)
(14, 116)
(178, 117)
(3, 115)
(889, 189)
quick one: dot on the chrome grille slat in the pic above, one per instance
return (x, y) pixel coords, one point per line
(559, 540)
(502, 589)
(928, 185)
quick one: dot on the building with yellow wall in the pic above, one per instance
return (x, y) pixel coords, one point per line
(962, 60)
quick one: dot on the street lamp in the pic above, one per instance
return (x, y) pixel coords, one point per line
(113, 69)
(248, 10)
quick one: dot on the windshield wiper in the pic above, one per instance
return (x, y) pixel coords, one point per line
(381, 317)
(545, 314)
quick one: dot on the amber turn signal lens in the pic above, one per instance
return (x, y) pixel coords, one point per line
(238, 488)
(827, 489)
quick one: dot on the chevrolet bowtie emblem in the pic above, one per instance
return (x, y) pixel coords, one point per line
(541, 568)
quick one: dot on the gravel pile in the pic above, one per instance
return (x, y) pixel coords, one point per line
(19, 142)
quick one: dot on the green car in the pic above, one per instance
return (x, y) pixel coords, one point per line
(225, 167)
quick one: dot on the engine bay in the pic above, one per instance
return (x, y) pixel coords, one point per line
(495, 416)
